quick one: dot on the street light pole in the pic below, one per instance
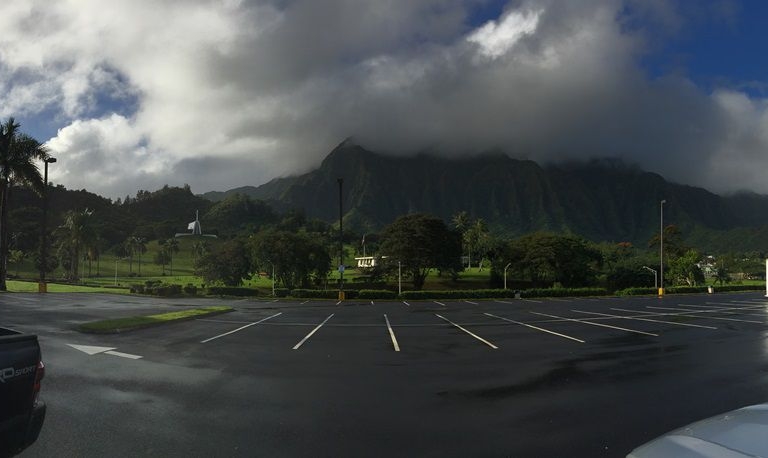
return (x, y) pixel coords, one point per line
(399, 279)
(505, 274)
(655, 276)
(341, 243)
(661, 249)
(42, 287)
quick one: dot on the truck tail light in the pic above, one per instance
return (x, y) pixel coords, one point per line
(39, 374)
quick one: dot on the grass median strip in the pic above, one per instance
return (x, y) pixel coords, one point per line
(130, 323)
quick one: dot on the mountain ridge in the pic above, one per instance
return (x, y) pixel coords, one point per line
(603, 199)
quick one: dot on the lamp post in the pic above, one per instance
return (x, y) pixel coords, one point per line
(661, 249)
(42, 287)
(655, 276)
(505, 274)
(341, 244)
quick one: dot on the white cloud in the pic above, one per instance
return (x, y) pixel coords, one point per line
(495, 38)
(224, 94)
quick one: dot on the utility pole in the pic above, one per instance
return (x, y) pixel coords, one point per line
(661, 250)
(341, 243)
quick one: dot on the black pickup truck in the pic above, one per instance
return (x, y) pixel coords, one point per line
(21, 411)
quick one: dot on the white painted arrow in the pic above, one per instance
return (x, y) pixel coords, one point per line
(91, 350)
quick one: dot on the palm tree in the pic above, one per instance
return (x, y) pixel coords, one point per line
(18, 153)
(199, 249)
(171, 246)
(140, 245)
(77, 232)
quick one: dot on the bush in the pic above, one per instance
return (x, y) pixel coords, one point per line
(322, 293)
(637, 291)
(685, 289)
(282, 292)
(739, 288)
(190, 289)
(376, 294)
(156, 288)
(564, 292)
(232, 291)
(164, 290)
(458, 294)
(137, 289)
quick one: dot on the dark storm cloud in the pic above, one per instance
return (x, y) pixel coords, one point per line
(234, 93)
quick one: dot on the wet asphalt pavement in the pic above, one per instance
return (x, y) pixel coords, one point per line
(550, 377)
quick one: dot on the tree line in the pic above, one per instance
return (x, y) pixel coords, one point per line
(299, 251)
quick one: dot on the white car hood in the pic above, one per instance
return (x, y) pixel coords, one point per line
(736, 434)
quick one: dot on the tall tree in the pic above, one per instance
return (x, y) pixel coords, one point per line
(171, 247)
(228, 263)
(77, 232)
(18, 154)
(297, 257)
(421, 243)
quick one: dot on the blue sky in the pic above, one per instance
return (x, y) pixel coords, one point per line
(135, 94)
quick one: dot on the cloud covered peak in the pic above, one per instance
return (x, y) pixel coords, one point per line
(224, 94)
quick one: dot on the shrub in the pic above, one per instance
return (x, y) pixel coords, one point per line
(164, 290)
(232, 291)
(685, 289)
(322, 293)
(377, 294)
(137, 289)
(458, 294)
(190, 289)
(564, 292)
(636, 291)
(739, 288)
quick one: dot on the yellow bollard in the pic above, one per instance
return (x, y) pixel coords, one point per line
(661, 292)
(341, 295)
(42, 287)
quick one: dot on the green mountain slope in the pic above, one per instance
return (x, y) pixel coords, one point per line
(601, 199)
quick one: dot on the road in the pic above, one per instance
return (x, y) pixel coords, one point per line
(548, 377)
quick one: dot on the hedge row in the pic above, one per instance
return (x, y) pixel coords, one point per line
(564, 292)
(231, 291)
(458, 294)
(157, 289)
(376, 294)
(688, 289)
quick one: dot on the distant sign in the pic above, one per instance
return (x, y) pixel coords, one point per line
(341, 268)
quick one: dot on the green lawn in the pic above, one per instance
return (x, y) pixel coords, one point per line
(17, 286)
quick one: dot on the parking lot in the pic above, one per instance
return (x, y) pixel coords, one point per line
(544, 377)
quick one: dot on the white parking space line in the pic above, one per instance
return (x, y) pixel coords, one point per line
(406, 304)
(122, 355)
(503, 302)
(391, 334)
(298, 345)
(371, 302)
(439, 303)
(241, 328)
(730, 310)
(470, 302)
(531, 300)
(339, 302)
(468, 332)
(536, 328)
(642, 314)
(304, 302)
(753, 307)
(558, 300)
(597, 324)
(640, 318)
(697, 314)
